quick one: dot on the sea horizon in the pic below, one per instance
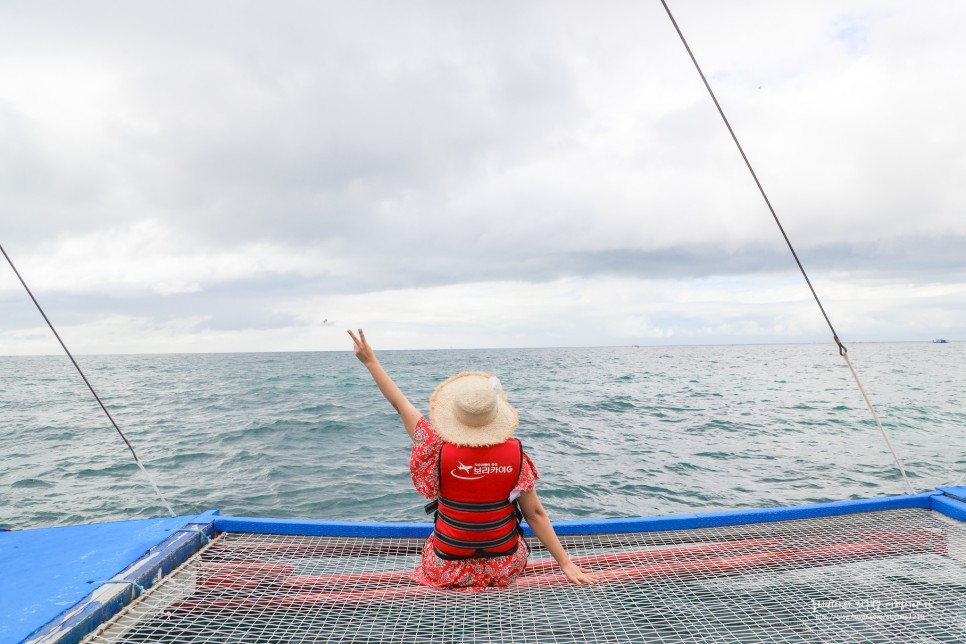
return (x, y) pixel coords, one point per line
(614, 431)
(486, 348)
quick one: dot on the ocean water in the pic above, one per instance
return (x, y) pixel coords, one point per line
(618, 431)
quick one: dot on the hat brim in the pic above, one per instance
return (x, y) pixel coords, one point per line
(443, 417)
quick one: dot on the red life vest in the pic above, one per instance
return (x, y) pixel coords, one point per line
(474, 516)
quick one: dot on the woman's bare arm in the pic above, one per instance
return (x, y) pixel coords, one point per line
(407, 411)
(539, 522)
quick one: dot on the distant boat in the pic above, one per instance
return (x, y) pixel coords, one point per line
(939, 341)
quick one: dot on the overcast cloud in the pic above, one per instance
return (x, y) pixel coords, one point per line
(249, 176)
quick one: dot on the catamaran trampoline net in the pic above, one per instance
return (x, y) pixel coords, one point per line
(887, 576)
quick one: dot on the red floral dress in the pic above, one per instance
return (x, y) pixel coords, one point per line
(472, 574)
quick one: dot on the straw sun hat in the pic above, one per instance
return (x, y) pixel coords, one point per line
(471, 409)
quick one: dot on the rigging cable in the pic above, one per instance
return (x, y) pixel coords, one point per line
(842, 349)
(87, 382)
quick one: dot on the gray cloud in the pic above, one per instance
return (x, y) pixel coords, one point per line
(146, 151)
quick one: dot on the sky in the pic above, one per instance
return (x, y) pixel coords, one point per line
(252, 176)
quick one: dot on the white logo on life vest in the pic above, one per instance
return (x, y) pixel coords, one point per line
(479, 470)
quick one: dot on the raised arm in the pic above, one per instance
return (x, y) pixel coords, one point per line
(407, 412)
(539, 522)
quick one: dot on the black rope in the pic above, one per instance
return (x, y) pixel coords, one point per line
(69, 355)
(86, 381)
(734, 137)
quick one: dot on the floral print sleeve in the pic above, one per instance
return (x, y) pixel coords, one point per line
(424, 462)
(528, 478)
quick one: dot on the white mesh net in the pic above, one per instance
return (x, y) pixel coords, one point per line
(895, 575)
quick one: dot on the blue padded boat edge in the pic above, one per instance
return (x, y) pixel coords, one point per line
(950, 502)
(583, 526)
(112, 595)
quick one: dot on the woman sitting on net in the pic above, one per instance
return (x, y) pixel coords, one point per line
(465, 459)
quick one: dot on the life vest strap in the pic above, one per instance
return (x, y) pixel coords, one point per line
(480, 554)
(475, 545)
(472, 526)
(467, 506)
